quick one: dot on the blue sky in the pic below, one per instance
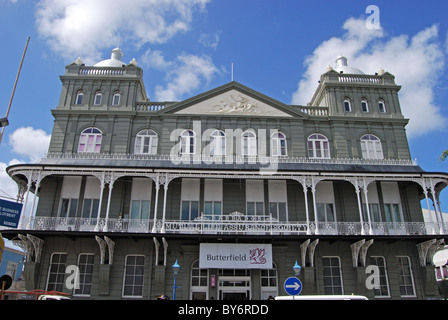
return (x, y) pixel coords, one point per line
(186, 47)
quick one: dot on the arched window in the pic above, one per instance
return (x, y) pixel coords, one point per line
(364, 105)
(278, 144)
(79, 97)
(371, 147)
(218, 143)
(116, 98)
(146, 142)
(188, 142)
(347, 105)
(318, 146)
(381, 106)
(90, 140)
(249, 143)
(98, 98)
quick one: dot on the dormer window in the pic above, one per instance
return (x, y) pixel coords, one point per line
(98, 98)
(79, 97)
(116, 98)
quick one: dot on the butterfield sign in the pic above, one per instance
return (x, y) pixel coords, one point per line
(235, 256)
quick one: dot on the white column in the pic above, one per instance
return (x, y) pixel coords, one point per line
(305, 194)
(156, 203)
(111, 186)
(97, 227)
(368, 209)
(22, 215)
(36, 188)
(436, 210)
(165, 185)
(313, 190)
(360, 209)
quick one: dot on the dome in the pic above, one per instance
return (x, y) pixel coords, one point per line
(114, 61)
(341, 65)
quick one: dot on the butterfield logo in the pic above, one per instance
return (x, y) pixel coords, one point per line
(256, 256)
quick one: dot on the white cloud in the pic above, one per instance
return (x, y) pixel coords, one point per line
(185, 75)
(210, 40)
(8, 188)
(82, 27)
(29, 142)
(155, 59)
(415, 61)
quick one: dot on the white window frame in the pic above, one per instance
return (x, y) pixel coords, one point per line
(332, 275)
(384, 278)
(318, 143)
(116, 98)
(371, 147)
(271, 287)
(133, 274)
(56, 272)
(383, 108)
(85, 272)
(93, 146)
(218, 143)
(188, 142)
(98, 98)
(364, 106)
(79, 97)
(146, 142)
(248, 143)
(347, 103)
(199, 275)
(279, 146)
(402, 277)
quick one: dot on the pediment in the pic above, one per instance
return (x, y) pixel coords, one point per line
(232, 100)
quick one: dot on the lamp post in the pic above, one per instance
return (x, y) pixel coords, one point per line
(297, 269)
(176, 269)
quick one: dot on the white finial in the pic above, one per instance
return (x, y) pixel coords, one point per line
(328, 68)
(133, 62)
(78, 61)
(381, 71)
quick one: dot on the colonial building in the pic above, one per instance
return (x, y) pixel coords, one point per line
(233, 185)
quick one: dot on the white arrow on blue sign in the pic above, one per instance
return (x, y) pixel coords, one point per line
(293, 286)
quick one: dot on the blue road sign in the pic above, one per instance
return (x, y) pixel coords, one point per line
(9, 213)
(293, 286)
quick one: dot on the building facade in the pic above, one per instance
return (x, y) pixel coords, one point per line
(233, 185)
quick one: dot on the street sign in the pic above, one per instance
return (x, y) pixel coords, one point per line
(10, 213)
(293, 286)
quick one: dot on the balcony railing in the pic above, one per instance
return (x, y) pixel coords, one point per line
(232, 224)
(228, 159)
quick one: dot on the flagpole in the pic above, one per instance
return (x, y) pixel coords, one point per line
(15, 85)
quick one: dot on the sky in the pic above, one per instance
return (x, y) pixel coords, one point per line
(186, 47)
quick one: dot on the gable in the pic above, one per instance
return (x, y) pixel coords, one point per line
(232, 99)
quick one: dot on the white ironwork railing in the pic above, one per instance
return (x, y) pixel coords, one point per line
(234, 223)
(230, 159)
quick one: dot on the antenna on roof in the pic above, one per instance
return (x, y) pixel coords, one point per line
(232, 72)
